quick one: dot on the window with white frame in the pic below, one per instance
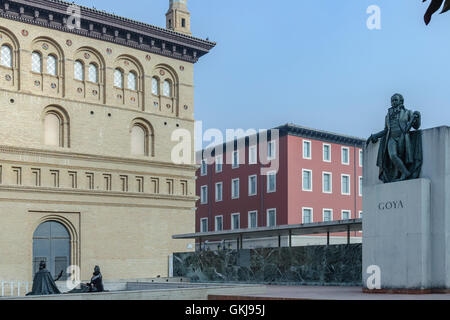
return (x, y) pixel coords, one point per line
(36, 62)
(219, 191)
(219, 164)
(253, 155)
(235, 221)
(307, 180)
(345, 155)
(235, 160)
(360, 186)
(132, 81)
(6, 56)
(51, 65)
(93, 73)
(271, 150)
(327, 182)
(204, 194)
(253, 219)
(252, 185)
(307, 216)
(360, 214)
(204, 225)
(118, 78)
(327, 153)
(235, 186)
(167, 88)
(155, 86)
(306, 149)
(78, 71)
(361, 153)
(218, 223)
(327, 215)
(271, 181)
(204, 168)
(271, 217)
(345, 189)
(346, 214)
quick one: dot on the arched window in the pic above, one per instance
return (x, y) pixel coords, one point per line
(167, 88)
(93, 73)
(155, 86)
(6, 56)
(118, 78)
(78, 71)
(36, 62)
(132, 81)
(51, 65)
(139, 140)
(53, 130)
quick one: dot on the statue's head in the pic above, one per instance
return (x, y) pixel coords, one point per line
(397, 100)
(42, 265)
(96, 269)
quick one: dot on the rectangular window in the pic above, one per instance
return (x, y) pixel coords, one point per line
(271, 150)
(219, 223)
(170, 184)
(124, 183)
(235, 186)
(235, 162)
(306, 149)
(184, 187)
(361, 158)
(360, 214)
(17, 175)
(252, 187)
(204, 195)
(307, 216)
(346, 214)
(36, 173)
(327, 215)
(345, 184)
(253, 219)
(55, 178)
(204, 225)
(327, 182)
(107, 180)
(360, 186)
(89, 181)
(327, 153)
(253, 155)
(155, 185)
(271, 182)
(307, 180)
(219, 189)
(219, 164)
(345, 156)
(73, 179)
(140, 184)
(183, 23)
(271, 217)
(235, 221)
(204, 168)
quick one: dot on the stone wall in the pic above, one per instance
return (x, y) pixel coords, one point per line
(312, 265)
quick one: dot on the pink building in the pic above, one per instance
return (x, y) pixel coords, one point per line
(312, 176)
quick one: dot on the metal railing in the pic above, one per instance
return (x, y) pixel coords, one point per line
(14, 288)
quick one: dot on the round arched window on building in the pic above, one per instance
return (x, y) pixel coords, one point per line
(51, 243)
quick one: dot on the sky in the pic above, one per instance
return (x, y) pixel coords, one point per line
(310, 62)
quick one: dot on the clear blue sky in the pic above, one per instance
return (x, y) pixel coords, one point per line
(311, 62)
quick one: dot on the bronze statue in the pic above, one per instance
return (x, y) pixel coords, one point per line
(400, 154)
(43, 283)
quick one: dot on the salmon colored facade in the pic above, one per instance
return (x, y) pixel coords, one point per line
(297, 198)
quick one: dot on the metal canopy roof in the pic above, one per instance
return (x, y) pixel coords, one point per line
(285, 230)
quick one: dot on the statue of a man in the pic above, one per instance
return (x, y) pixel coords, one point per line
(400, 153)
(43, 282)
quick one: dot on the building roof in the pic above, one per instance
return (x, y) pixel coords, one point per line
(108, 27)
(300, 131)
(284, 230)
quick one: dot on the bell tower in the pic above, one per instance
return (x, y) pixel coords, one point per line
(178, 18)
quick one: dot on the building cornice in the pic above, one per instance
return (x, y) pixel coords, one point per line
(104, 26)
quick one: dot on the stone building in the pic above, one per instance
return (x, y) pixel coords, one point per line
(88, 104)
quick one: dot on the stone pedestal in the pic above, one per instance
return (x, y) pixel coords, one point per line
(396, 224)
(406, 225)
